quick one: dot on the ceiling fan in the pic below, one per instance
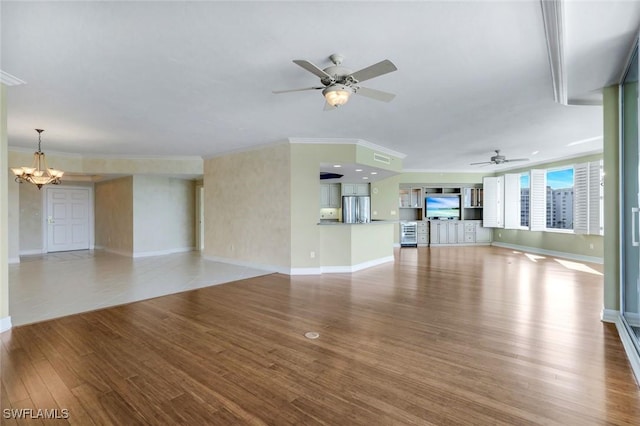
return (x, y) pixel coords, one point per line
(339, 83)
(499, 159)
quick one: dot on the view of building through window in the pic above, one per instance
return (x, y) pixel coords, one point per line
(524, 199)
(560, 199)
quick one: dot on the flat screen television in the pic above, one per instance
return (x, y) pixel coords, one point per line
(442, 207)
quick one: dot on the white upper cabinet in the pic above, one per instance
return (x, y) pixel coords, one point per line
(355, 189)
(329, 195)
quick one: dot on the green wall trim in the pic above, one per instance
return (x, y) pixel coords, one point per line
(611, 138)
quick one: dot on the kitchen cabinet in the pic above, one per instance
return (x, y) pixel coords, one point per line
(410, 198)
(329, 195)
(445, 232)
(423, 234)
(458, 232)
(361, 189)
(483, 235)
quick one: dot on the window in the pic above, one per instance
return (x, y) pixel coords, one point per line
(560, 198)
(567, 199)
(524, 199)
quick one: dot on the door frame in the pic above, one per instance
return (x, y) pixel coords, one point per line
(45, 214)
(199, 219)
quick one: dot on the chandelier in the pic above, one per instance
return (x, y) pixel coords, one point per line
(38, 174)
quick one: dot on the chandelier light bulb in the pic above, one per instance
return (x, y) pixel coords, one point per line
(39, 174)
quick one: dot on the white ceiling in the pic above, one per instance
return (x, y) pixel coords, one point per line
(195, 78)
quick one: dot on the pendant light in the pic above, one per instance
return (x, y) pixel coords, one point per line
(38, 174)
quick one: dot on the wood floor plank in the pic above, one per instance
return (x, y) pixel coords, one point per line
(453, 335)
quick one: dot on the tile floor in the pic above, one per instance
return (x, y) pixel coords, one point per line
(59, 284)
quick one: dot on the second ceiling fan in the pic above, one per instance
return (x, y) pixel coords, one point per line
(339, 83)
(499, 159)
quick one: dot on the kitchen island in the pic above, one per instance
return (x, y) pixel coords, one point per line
(350, 247)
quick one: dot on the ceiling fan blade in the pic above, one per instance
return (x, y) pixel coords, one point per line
(375, 70)
(311, 68)
(482, 162)
(378, 95)
(328, 107)
(296, 90)
(516, 159)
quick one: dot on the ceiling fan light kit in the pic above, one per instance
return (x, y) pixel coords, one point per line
(339, 83)
(337, 94)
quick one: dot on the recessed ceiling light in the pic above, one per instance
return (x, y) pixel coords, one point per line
(358, 170)
(374, 173)
(535, 152)
(337, 165)
(364, 177)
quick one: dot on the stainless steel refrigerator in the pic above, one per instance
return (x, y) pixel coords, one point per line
(356, 209)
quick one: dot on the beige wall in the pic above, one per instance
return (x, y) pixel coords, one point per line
(370, 242)
(581, 245)
(188, 167)
(4, 213)
(114, 215)
(305, 190)
(305, 200)
(365, 156)
(247, 201)
(611, 245)
(30, 218)
(262, 206)
(163, 214)
(14, 220)
(349, 245)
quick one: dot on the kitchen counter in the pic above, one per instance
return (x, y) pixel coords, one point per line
(350, 247)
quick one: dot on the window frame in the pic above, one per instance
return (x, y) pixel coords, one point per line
(556, 169)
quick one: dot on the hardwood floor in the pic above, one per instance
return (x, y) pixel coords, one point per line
(466, 335)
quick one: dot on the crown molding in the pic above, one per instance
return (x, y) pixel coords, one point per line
(105, 156)
(349, 141)
(553, 18)
(10, 80)
(245, 149)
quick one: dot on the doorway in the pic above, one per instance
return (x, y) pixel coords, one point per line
(68, 218)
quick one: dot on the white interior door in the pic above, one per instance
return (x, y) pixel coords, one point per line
(67, 219)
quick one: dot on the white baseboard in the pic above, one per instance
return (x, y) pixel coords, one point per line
(32, 252)
(609, 315)
(302, 271)
(571, 256)
(305, 271)
(116, 251)
(162, 252)
(457, 245)
(247, 264)
(629, 347)
(5, 324)
(355, 268)
(14, 260)
(396, 245)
